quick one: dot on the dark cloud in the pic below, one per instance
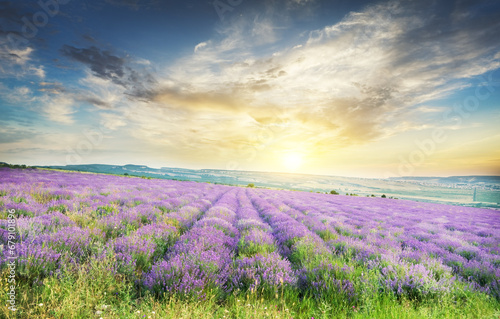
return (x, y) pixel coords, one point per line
(102, 63)
(457, 28)
(95, 101)
(109, 66)
(89, 38)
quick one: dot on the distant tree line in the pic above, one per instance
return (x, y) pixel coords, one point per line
(16, 166)
(143, 177)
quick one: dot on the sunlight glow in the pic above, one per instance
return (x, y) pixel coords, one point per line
(292, 161)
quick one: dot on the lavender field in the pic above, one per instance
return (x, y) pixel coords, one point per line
(131, 247)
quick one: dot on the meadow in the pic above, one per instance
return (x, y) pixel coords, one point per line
(102, 246)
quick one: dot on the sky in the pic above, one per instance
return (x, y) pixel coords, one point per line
(347, 88)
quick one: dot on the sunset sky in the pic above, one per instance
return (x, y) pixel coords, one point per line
(349, 88)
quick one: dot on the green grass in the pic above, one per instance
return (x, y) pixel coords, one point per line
(91, 291)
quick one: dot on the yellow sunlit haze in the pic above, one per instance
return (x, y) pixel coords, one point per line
(292, 161)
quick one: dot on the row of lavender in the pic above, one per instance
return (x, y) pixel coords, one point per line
(199, 239)
(68, 219)
(417, 247)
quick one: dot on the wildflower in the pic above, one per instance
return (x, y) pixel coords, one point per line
(41, 304)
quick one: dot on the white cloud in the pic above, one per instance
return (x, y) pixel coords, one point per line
(19, 56)
(263, 31)
(58, 108)
(18, 63)
(38, 71)
(18, 95)
(361, 75)
(112, 121)
(200, 46)
(142, 61)
(102, 93)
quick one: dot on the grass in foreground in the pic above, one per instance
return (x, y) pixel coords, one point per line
(92, 292)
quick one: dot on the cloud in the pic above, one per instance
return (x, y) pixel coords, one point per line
(189, 100)
(38, 71)
(16, 56)
(12, 134)
(200, 46)
(18, 95)
(349, 83)
(58, 108)
(102, 63)
(142, 61)
(107, 66)
(301, 2)
(89, 38)
(99, 92)
(112, 121)
(263, 30)
(51, 87)
(17, 63)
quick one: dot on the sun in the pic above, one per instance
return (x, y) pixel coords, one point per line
(292, 161)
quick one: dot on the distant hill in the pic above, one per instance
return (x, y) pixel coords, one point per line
(453, 179)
